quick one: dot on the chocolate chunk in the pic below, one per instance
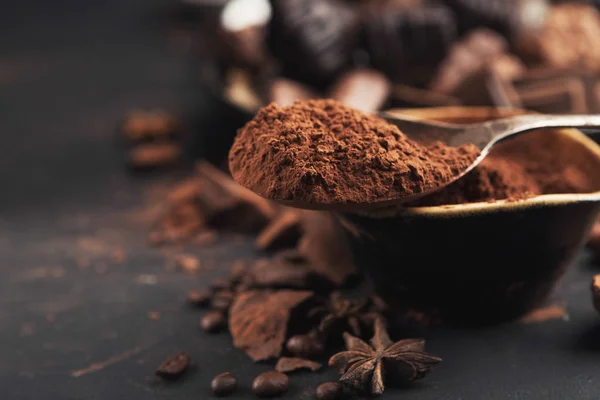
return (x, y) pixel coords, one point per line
(174, 366)
(291, 364)
(466, 58)
(511, 18)
(153, 155)
(285, 92)
(223, 384)
(213, 322)
(258, 320)
(407, 43)
(313, 39)
(284, 231)
(330, 391)
(486, 88)
(269, 273)
(306, 346)
(407, 96)
(270, 384)
(561, 95)
(198, 298)
(569, 38)
(363, 89)
(325, 248)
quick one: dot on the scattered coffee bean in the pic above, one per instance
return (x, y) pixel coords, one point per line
(270, 384)
(174, 366)
(305, 346)
(330, 391)
(213, 321)
(223, 384)
(199, 298)
(222, 300)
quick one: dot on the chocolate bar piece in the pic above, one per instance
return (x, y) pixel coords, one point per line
(563, 95)
(285, 92)
(407, 43)
(511, 18)
(570, 37)
(364, 89)
(313, 39)
(467, 57)
(487, 88)
(407, 96)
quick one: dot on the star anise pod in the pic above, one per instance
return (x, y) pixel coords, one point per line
(364, 367)
(340, 314)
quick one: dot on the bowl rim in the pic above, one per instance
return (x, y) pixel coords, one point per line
(497, 205)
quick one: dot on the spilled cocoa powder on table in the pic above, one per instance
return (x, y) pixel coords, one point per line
(321, 151)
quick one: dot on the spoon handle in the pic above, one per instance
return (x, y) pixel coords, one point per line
(500, 129)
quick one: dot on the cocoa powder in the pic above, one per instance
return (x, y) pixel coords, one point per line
(527, 166)
(321, 151)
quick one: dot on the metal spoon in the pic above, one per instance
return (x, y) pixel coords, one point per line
(484, 135)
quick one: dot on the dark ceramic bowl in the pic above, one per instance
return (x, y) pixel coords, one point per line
(481, 262)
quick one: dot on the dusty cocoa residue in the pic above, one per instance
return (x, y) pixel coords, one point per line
(320, 151)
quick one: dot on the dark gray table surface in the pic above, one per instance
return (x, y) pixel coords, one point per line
(74, 320)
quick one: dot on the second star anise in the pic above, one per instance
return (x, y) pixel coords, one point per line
(365, 367)
(339, 314)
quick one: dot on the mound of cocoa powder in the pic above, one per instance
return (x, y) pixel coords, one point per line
(321, 151)
(527, 166)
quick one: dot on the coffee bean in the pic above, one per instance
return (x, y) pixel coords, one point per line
(330, 391)
(222, 300)
(223, 384)
(199, 298)
(270, 384)
(174, 366)
(213, 321)
(305, 346)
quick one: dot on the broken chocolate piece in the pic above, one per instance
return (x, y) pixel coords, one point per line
(285, 92)
(291, 364)
(258, 320)
(511, 18)
(408, 96)
(270, 273)
(313, 39)
(467, 57)
(363, 89)
(562, 95)
(407, 43)
(569, 37)
(325, 248)
(284, 231)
